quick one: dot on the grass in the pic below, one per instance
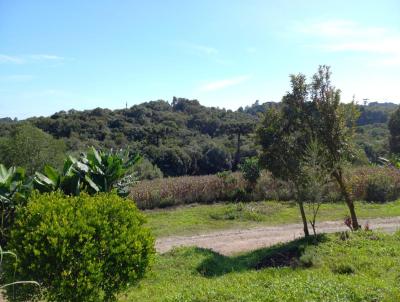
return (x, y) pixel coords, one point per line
(362, 267)
(195, 219)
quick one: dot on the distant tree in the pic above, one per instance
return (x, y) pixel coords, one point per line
(239, 128)
(215, 159)
(31, 148)
(394, 128)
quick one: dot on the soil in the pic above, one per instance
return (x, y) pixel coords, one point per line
(228, 242)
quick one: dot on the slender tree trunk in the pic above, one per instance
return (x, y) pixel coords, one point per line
(339, 178)
(304, 218)
(237, 155)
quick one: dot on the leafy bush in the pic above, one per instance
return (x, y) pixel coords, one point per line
(146, 170)
(251, 171)
(377, 184)
(380, 189)
(80, 248)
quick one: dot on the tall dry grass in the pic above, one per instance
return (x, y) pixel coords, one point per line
(375, 184)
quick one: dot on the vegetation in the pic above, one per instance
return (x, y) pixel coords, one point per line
(363, 267)
(29, 147)
(394, 128)
(79, 248)
(181, 137)
(195, 219)
(95, 171)
(174, 191)
(14, 191)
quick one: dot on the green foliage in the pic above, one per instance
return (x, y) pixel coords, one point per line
(375, 184)
(380, 188)
(13, 283)
(144, 169)
(14, 192)
(94, 171)
(185, 128)
(80, 248)
(31, 148)
(194, 274)
(394, 128)
(251, 171)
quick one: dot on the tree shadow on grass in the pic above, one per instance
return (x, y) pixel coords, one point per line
(280, 255)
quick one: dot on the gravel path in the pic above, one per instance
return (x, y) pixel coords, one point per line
(232, 241)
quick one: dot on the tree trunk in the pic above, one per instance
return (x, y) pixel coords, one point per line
(237, 155)
(304, 218)
(339, 178)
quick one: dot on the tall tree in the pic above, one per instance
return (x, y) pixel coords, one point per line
(284, 136)
(333, 124)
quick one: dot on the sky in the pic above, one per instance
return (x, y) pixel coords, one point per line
(61, 55)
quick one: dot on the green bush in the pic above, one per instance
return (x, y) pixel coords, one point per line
(380, 189)
(80, 248)
(251, 171)
(375, 184)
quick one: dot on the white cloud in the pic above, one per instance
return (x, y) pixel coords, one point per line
(46, 57)
(349, 36)
(221, 84)
(22, 59)
(10, 59)
(198, 49)
(16, 78)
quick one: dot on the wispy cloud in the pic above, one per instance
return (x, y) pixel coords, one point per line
(23, 59)
(10, 59)
(221, 84)
(349, 36)
(46, 57)
(200, 49)
(16, 78)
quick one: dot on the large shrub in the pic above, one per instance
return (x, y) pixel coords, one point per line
(31, 148)
(80, 248)
(375, 184)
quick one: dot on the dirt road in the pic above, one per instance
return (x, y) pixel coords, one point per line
(232, 241)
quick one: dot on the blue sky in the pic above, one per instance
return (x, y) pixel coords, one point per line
(58, 55)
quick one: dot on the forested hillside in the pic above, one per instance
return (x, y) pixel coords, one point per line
(184, 137)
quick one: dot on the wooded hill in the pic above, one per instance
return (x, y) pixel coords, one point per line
(184, 137)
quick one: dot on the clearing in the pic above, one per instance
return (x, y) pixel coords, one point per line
(229, 242)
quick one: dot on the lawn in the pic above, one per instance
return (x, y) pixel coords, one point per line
(195, 219)
(362, 267)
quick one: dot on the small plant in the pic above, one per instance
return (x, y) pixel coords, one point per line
(79, 248)
(251, 171)
(347, 222)
(13, 283)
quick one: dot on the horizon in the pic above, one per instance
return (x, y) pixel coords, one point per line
(73, 55)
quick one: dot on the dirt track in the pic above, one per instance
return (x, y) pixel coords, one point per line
(233, 241)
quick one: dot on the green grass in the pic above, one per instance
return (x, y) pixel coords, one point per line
(363, 267)
(194, 219)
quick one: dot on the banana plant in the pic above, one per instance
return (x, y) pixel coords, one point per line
(73, 178)
(15, 188)
(94, 171)
(108, 169)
